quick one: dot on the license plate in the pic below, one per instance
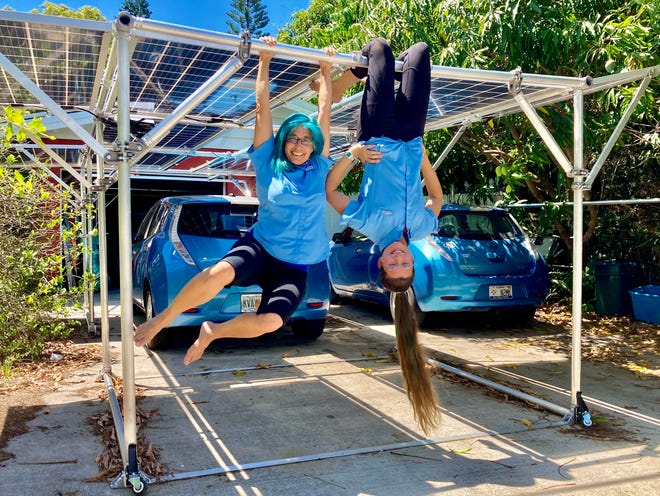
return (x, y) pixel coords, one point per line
(250, 302)
(500, 292)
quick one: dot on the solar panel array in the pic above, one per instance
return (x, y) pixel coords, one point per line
(63, 60)
(74, 63)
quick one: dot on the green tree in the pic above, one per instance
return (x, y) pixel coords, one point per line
(250, 15)
(506, 157)
(33, 296)
(84, 12)
(139, 8)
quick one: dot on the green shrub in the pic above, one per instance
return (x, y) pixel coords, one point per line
(33, 296)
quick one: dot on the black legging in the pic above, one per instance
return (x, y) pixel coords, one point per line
(400, 115)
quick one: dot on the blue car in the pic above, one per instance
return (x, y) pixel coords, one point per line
(478, 260)
(181, 236)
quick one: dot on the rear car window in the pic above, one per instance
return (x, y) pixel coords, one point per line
(152, 221)
(216, 220)
(477, 226)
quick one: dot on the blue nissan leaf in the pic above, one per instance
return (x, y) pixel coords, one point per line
(478, 260)
(181, 236)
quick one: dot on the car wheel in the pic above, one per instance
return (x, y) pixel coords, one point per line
(418, 313)
(159, 341)
(308, 329)
(335, 299)
(523, 316)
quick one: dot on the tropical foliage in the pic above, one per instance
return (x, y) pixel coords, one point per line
(504, 160)
(139, 8)
(33, 290)
(84, 12)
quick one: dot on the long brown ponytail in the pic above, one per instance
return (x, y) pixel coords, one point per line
(416, 376)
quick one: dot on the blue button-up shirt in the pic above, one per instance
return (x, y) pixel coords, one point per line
(391, 196)
(291, 224)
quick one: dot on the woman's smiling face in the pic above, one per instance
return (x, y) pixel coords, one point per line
(397, 261)
(299, 146)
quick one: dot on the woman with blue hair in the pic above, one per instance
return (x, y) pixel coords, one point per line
(291, 167)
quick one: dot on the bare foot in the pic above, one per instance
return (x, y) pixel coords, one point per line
(147, 331)
(202, 342)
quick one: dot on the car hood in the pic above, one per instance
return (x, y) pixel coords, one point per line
(206, 251)
(488, 258)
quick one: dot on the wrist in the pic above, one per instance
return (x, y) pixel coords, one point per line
(349, 155)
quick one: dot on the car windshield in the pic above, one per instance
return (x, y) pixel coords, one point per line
(477, 226)
(219, 220)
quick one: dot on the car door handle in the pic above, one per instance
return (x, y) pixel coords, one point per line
(358, 250)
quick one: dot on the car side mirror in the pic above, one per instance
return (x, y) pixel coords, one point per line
(337, 238)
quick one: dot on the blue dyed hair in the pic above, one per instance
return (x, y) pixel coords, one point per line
(279, 163)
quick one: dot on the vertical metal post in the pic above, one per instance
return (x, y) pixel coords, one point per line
(89, 252)
(124, 204)
(579, 175)
(103, 257)
(86, 248)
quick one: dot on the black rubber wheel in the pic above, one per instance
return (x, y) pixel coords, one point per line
(523, 316)
(143, 487)
(159, 341)
(308, 329)
(335, 299)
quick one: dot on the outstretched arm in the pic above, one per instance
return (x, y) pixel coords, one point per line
(325, 100)
(339, 85)
(263, 126)
(432, 183)
(359, 152)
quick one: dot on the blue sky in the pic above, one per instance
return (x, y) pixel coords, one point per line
(206, 14)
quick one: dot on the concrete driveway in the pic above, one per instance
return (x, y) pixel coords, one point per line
(279, 417)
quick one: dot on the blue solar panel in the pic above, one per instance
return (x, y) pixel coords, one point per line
(70, 60)
(62, 60)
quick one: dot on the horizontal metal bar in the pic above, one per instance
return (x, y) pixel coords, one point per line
(484, 75)
(160, 30)
(594, 202)
(343, 453)
(499, 387)
(610, 81)
(276, 366)
(594, 401)
(148, 27)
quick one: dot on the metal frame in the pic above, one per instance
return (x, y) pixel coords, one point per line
(184, 110)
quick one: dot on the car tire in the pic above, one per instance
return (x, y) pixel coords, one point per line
(335, 299)
(308, 330)
(523, 316)
(420, 315)
(159, 341)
